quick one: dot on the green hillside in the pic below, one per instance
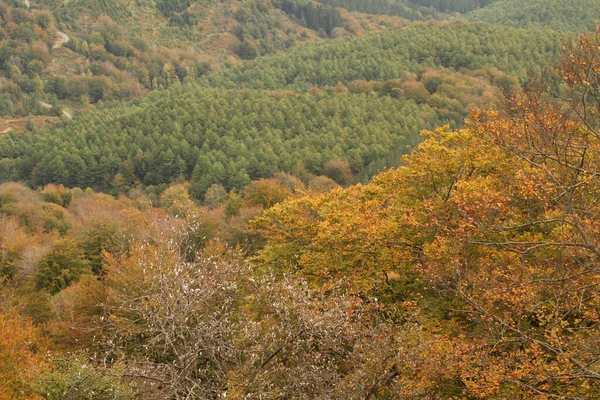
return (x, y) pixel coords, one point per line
(424, 76)
(561, 15)
(411, 9)
(120, 49)
(214, 136)
(389, 54)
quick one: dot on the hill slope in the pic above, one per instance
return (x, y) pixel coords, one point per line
(411, 9)
(119, 49)
(387, 55)
(231, 136)
(562, 15)
(215, 136)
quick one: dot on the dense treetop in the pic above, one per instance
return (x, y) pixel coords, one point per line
(388, 54)
(214, 136)
(411, 9)
(561, 15)
(403, 81)
(489, 234)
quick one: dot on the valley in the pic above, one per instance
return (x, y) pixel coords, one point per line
(298, 199)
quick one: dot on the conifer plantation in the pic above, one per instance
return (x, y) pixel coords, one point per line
(299, 199)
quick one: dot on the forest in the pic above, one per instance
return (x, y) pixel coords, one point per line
(573, 16)
(229, 137)
(107, 66)
(121, 50)
(239, 137)
(560, 15)
(113, 56)
(307, 210)
(411, 9)
(389, 54)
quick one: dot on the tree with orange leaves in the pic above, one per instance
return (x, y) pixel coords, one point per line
(492, 231)
(21, 353)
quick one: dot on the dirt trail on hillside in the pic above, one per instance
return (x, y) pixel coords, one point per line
(46, 105)
(64, 38)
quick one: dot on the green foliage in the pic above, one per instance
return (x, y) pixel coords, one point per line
(77, 379)
(563, 15)
(387, 55)
(260, 28)
(61, 267)
(114, 9)
(100, 61)
(230, 137)
(247, 50)
(313, 16)
(25, 37)
(432, 83)
(9, 264)
(92, 246)
(411, 9)
(176, 11)
(233, 205)
(217, 136)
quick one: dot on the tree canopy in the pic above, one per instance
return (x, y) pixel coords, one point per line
(562, 15)
(387, 55)
(490, 231)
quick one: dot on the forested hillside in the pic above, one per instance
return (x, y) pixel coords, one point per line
(387, 55)
(43, 72)
(72, 55)
(562, 15)
(221, 136)
(471, 271)
(120, 49)
(412, 9)
(230, 136)
(298, 199)
(25, 40)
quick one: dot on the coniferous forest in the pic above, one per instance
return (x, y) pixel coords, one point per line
(296, 199)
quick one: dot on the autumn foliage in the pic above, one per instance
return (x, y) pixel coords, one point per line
(470, 272)
(492, 231)
(21, 355)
